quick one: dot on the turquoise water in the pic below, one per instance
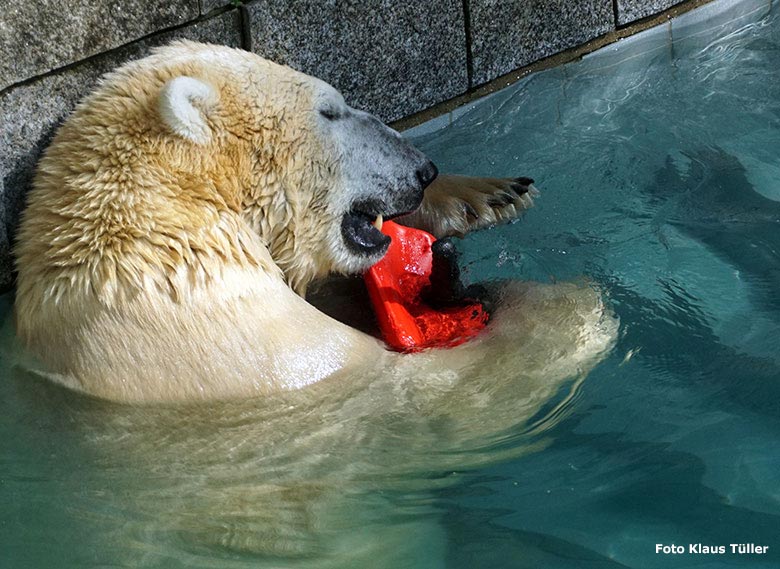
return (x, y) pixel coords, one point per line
(659, 165)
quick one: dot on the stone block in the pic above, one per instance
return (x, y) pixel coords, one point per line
(508, 34)
(389, 57)
(632, 10)
(207, 6)
(37, 37)
(32, 111)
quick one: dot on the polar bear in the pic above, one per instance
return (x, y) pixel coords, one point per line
(181, 211)
(175, 223)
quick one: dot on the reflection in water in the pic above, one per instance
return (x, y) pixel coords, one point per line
(715, 204)
(336, 475)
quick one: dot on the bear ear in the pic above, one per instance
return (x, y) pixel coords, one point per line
(184, 103)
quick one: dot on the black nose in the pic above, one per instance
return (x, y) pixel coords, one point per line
(427, 173)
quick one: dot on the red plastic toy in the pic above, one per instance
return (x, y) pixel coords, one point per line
(396, 284)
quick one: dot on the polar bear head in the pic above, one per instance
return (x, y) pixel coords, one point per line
(313, 176)
(172, 206)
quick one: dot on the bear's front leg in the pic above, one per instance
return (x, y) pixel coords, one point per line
(455, 205)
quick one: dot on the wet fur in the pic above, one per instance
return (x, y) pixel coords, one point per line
(181, 205)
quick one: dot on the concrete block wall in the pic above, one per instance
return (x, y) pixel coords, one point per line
(390, 57)
(631, 10)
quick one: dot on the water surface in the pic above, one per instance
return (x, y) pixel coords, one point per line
(659, 166)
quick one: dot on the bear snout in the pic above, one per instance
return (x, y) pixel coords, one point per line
(427, 174)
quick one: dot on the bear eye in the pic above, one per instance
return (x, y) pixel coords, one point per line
(330, 114)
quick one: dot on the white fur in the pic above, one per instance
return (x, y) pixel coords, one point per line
(177, 105)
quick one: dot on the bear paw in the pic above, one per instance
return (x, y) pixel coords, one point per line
(455, 205)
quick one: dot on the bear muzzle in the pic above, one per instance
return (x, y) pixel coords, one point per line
(361, 226)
